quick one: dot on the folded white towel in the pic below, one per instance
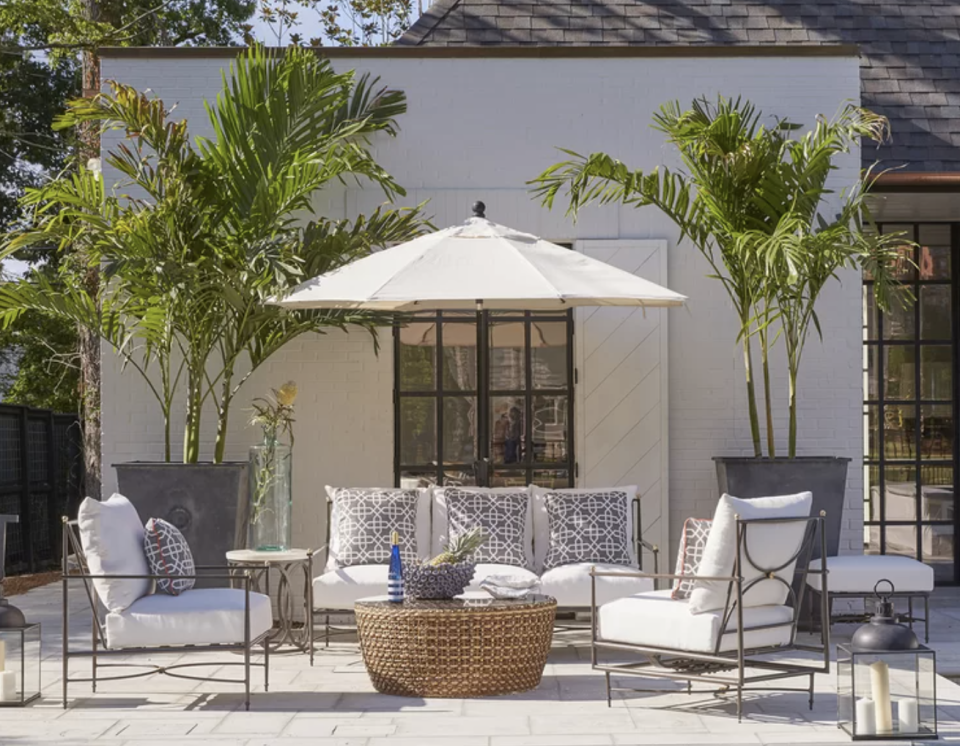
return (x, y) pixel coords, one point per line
(519, 582)
(501, 591)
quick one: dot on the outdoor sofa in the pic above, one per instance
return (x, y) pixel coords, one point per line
(516, 522)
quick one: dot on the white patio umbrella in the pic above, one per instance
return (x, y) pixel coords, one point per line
(477, 265)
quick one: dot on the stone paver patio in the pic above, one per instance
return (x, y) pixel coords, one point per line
(333, 703)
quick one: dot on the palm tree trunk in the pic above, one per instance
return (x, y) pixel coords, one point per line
(792, 438)
(223, 416)
(191, 432)
(752, 397)
(767, 403)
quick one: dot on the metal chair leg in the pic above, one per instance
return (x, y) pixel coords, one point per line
(910, 610)
(609, 703)
(811, 691)
(266, 663)
(926, 618)
(93, 679)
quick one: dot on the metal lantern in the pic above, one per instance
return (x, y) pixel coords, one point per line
(886, 680)
(19, 643)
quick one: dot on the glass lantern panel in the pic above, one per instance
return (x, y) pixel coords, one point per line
(891, 693)
(19, 665)
(845, 696)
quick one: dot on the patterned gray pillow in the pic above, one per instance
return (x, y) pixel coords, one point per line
(364, 520)
(587, 527)
(695, 533)
(168, 554)
(502, 517)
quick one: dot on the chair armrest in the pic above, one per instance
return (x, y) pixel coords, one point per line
(237, 575)
(660, 576)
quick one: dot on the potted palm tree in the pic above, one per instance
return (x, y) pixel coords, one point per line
(196, 238)
(754, 200)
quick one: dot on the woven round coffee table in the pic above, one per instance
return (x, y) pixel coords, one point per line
(464, 647)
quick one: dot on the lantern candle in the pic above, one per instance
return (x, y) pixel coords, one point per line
(8, 686)
(866, 724)
(3, 656)
(908, 712)
(880, 685)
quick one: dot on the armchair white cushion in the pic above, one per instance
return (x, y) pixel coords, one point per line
(768, 546)
(570, 584)
(111, 535)
(654, 619)
(206, 616)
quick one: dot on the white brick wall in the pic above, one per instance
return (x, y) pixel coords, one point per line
(479, 129)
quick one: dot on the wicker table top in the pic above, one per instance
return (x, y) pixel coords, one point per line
(472, 603)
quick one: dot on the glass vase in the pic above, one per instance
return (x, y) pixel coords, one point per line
(270, 526)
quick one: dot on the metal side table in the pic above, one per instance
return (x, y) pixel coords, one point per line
(291, 592)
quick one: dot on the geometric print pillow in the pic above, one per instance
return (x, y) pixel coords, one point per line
(501, 517)
(695, 532)
(365, 519)
(168, 554)
(587, 527)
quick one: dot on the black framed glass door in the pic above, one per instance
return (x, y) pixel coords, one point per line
(484, 399)
(911, 406)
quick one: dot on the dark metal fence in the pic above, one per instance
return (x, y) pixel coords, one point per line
(41, 478)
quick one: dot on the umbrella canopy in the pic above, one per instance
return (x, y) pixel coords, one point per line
(478, 264)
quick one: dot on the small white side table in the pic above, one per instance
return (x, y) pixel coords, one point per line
(286, 563)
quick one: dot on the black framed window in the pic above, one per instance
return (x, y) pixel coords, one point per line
(484, 399)
(911, 406)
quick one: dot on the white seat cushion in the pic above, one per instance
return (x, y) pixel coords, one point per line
(570, 584)
(195, 617)
(111, 535)
(859, 573)
(340, 588)
(654, 619)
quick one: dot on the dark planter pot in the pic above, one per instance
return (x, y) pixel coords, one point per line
(207, 502)
(824, 476)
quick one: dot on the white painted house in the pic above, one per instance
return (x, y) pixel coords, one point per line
(655, 395)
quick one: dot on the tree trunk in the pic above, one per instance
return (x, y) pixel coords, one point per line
(752, 397)
(767, 396)
(89, 345)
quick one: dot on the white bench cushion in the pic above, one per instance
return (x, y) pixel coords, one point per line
(570, 584)
(655, 619)
(859, 573)
(341, 589)
(203, 616)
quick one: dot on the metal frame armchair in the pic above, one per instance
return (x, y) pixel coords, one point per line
(100, 641)
(725, 666)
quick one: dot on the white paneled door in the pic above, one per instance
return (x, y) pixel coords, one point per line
(621, 395)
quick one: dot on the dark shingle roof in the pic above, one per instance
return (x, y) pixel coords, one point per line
(910, 68)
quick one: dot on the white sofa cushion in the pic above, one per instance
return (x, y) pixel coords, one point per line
(859, 573)
(195, 617)
(541, 521)
(341, 588)
(655, 619)
(379, 531)
(768, 546)
(441, 520)
(570, 584)
(111, 535)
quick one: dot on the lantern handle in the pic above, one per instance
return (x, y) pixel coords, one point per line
(880, 595)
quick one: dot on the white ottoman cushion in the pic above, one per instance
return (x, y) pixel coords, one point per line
(859, 573)
(196, 617)
(570, 584)
(654, 619)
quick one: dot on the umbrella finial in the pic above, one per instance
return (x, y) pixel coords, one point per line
(478, 209)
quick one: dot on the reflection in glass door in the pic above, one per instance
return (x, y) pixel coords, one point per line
(489, 406)
(910, 407)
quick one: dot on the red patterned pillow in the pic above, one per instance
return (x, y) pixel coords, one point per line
(694, 539)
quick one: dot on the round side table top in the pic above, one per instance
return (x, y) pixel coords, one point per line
(254, 557)
(469, 602)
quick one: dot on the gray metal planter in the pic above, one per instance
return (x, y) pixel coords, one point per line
(824, 476)
(207, 502)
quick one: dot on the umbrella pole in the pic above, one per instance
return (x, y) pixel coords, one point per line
(483, 441)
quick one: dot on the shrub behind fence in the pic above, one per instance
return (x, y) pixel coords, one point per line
(41, 478)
